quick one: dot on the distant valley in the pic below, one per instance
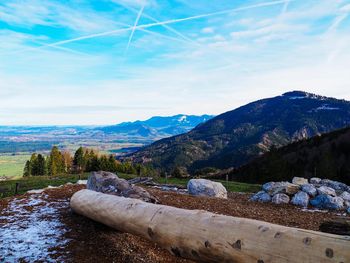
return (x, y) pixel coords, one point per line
(18, 142)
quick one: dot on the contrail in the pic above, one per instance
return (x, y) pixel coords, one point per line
(337, 22)
(285, 7)
(134, 27)
(167, 22)
(157, 21)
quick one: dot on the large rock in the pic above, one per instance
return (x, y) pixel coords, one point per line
(109, 183)
(301, 199)
(203, 187)
(261, 196)
(280, 199)
(338, 186)
(102, 181)
(346, 196)
(315, 180)
(299, 181)
(273, 188)
(324, 201)
(309, 189)
(325, 190)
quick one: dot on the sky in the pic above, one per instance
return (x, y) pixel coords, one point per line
(83, 62)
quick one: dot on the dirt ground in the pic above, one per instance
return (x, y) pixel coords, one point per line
(88, 241)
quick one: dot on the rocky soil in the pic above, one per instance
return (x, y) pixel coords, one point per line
(41, 227)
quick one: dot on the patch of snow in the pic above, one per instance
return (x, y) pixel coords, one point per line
(297, 97)
(326, 107)
(183, 118)
(82, 182)
(313, 210)
(30, 229)
(52, 187)
(37, 191)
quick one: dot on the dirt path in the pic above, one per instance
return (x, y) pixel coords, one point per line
(42, 227)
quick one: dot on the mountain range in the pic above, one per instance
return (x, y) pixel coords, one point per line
(157, 126)
(238, 136)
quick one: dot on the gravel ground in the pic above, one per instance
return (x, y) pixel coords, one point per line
(78, 239)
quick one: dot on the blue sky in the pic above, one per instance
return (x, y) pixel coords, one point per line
(108, 61)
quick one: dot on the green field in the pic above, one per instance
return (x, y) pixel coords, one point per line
(12, 165)
(7, 188)
(230, 185)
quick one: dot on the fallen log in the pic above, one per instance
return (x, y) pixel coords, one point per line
(208, 237)
(140, 180)
(339, 226)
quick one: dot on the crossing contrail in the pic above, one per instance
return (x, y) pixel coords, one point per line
(134, 27)
(157, 21)
(167, 22)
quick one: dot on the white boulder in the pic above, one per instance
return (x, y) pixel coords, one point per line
(324, 201)
(299, 181)
(301, 199)
(203, 187)
(280, 199)
(315, 180)
(309, 189)
(325, 190)
(261, 196)
(346, 196)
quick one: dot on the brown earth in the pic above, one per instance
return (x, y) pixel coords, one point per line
(90, 241)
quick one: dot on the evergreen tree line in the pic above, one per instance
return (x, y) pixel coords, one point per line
(84, 160)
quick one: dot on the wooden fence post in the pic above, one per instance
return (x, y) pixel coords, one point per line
(16, 188)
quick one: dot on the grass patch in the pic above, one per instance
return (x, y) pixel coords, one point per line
(12, 166)
(231, 186)
(7, 188)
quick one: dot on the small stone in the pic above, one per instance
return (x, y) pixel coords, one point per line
(324, 201)
(261, 196)
(315, 180)
(325, 190)
(280, 199)
(299, 181)
(309, 189)
(301, 199)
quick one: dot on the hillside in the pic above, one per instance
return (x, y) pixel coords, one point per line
(325, 156)
(157, 126)
(236, 137)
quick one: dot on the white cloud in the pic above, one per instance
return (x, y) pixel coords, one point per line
(208, 30)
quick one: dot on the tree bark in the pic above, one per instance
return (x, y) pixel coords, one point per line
(208, 237)
(338, 226)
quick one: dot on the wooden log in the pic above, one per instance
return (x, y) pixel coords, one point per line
(339, 226)
(208, 237)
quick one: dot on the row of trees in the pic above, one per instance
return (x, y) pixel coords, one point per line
(84, 160)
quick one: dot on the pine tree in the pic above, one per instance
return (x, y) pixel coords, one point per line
(34, 164)
(112, 164)
(79, 160)
(27, 169)
(56, 163)
(41, 165)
